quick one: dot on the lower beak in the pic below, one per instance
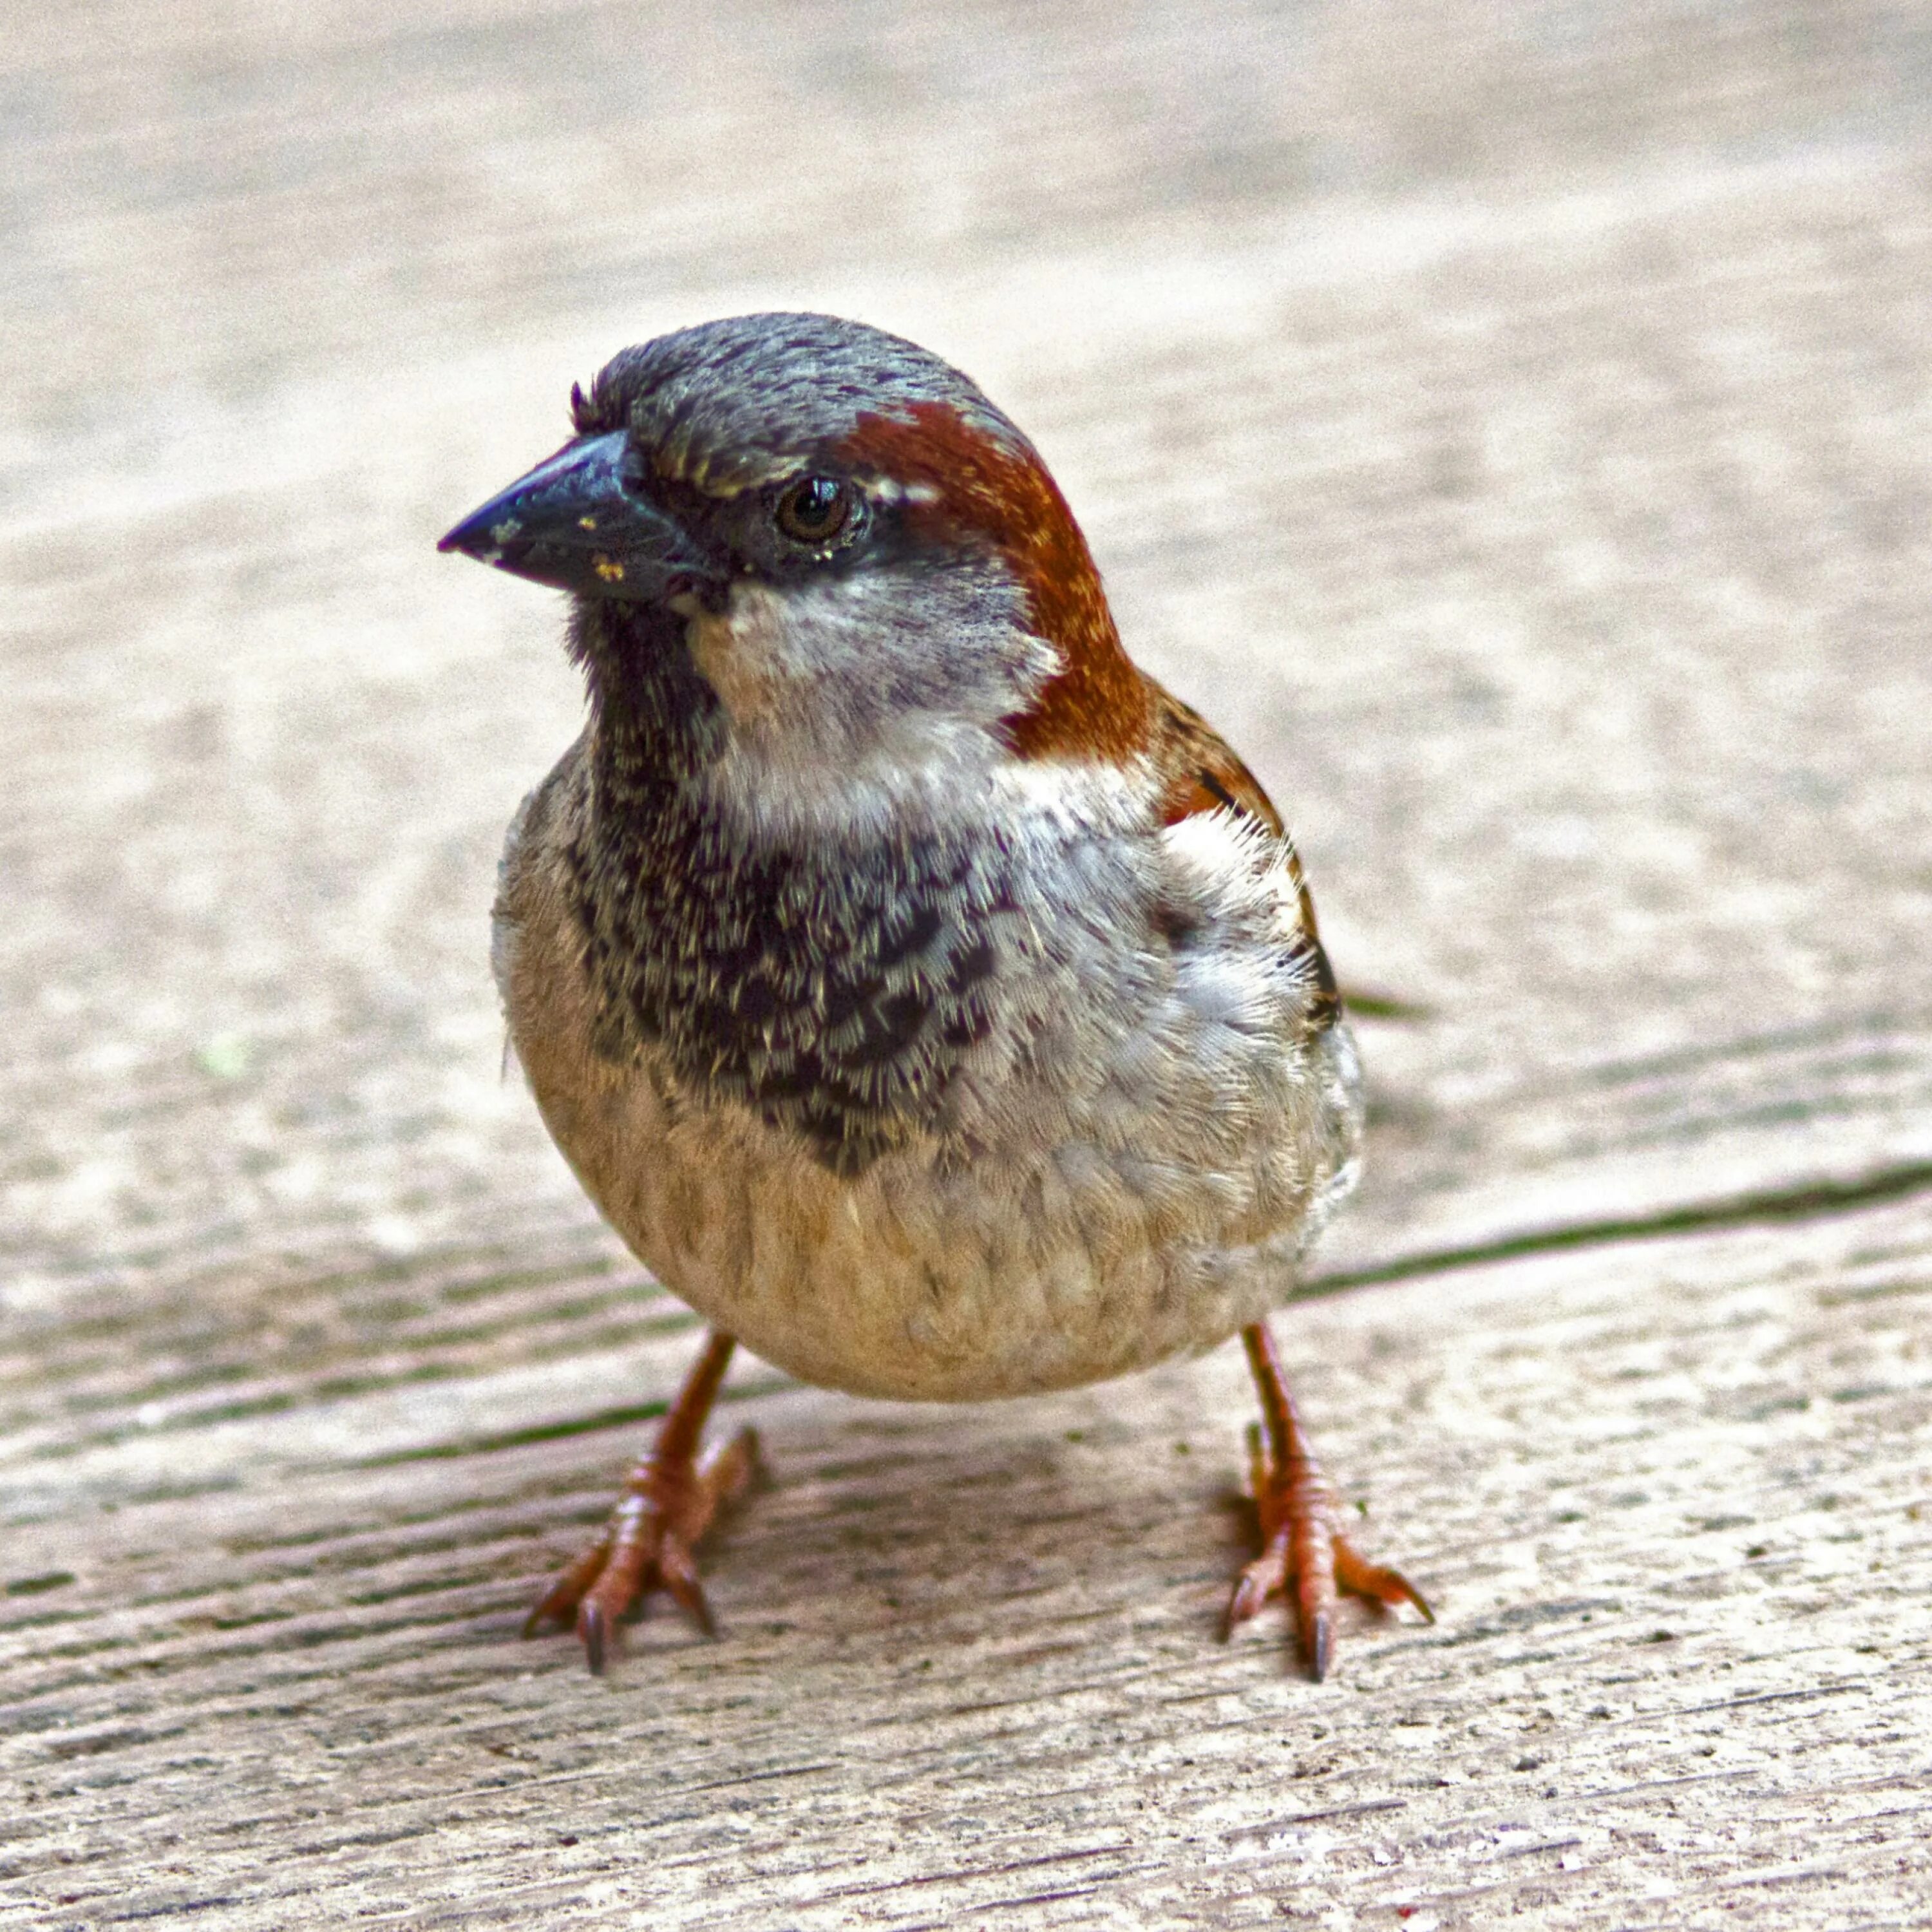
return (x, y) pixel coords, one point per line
(575, 523)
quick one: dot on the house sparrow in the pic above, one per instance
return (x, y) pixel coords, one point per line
(928, 998)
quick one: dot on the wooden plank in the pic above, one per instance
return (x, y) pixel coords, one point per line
(1516, 441)
(1672, 1505)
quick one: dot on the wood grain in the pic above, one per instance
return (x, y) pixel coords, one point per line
(1511, 430)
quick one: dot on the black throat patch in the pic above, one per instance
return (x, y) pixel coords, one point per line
(833, 987)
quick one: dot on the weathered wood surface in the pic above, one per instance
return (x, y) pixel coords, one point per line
(1513, 426)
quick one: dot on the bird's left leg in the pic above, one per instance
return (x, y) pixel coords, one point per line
(1302, 1542)
(670, 1498)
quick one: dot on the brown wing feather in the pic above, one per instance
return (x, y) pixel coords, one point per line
(1199, 772)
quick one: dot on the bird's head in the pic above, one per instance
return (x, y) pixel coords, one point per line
(860, 559)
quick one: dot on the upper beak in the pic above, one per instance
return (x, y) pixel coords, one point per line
(572, 522)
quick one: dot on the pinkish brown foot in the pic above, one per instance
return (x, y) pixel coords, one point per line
(668, 1501)
(1301, 1543)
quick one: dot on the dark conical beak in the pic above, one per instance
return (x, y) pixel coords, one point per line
(572, 523)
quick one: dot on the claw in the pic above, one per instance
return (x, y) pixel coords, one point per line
(1353, 1572)
(1318, 1646)
(590, 1629)
(677, 1571)
(559, 1603)
(1261, 1579)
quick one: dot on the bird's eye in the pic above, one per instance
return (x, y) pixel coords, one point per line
(814, 509)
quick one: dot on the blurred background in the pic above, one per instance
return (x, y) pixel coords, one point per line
(1510, 423)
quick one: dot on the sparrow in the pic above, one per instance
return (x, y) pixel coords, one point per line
(926, 996)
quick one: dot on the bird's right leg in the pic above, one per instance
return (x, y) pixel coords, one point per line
(668, 1501)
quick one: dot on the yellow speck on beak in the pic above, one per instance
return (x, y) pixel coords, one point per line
(586, 523)
(608, 568)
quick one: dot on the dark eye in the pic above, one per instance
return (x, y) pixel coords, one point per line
(814, 509)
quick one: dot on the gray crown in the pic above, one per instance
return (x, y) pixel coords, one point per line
(732, 403)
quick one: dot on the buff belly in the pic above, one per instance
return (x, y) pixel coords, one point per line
(1004, 1278)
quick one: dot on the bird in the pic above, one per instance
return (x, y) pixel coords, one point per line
(925, 995)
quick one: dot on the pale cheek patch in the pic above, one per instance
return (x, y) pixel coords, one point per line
(839, 672)
(807, 665)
